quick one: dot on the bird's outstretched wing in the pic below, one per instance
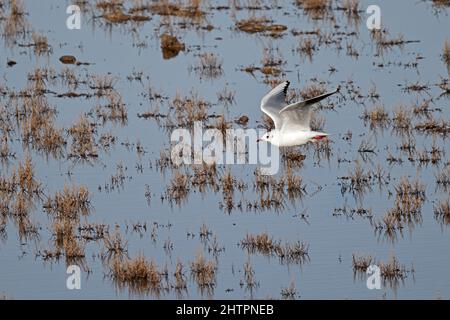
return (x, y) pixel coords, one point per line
(274, 101)
(298, 115)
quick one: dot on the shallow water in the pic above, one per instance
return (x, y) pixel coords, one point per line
(328, 273)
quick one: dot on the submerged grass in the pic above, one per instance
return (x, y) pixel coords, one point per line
(392, 272)
(138, 274)
(296, 252)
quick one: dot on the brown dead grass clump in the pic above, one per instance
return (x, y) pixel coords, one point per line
(178, 189)
(116, 248)
(306, 47)
(352, 11)
(26, 177)
(312, 90)
(289, 293)
(204, 232)
(170, 46)
(442, 212)
(256, 25)
(18, 193)
(402, 118)
(102, 84)
(422, 109)
(204, 175)
(390, 226)
(83, 145)
(109, 4)
(384, 43)
(70, 203)
(189, 109)
(139, 274)
(351, 7)
(40, 44)
(271, 62)
(294, 184)
(115, 110)
(433, 126)
(359, 180)
(415, 188)
(227, 97)
(410, 197)
(443, 179)
(38, 79)
(316, 9)
(391, 272)
(377, 116)
(249, 277)
(228, 182)
(262, 243)
(440, 4)
(5, 153)
(180, 283)
(190, 10)
(296, 252)
(15, 25)
(65, 209)
(272, 192)
(361, 263)
(204, 272)
(209, 66)
(74, 249)
(36, 119)
(292, 158)
(113, 12)
(117, 16)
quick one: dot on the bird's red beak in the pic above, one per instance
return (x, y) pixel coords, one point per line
(320, 137)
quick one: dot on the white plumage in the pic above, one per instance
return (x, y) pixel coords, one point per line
(292, 122)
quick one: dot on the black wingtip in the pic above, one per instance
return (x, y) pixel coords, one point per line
(286, 86)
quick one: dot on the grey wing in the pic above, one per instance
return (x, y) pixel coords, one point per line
(298, 115)
(274, 101)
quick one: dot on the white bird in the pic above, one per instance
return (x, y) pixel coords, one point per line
(292, 122)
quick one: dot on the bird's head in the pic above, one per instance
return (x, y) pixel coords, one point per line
(266, 137)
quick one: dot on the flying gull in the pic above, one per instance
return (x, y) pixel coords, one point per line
(292, 122)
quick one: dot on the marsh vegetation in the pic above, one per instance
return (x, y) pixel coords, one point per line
(87, 177)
